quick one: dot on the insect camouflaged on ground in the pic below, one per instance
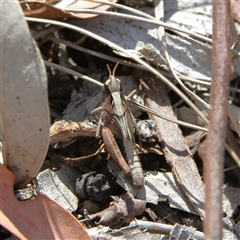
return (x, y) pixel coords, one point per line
(118, 122)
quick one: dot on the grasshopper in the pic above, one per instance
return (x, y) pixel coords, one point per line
(117, 121)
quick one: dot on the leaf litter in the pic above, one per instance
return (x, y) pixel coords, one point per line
(172, 168)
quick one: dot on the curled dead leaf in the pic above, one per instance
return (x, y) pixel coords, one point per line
(65, 131)
(60, 10)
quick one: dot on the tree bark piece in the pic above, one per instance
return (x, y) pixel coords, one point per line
(172, 141)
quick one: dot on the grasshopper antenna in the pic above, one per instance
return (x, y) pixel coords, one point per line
(115, 68)
(109, 70)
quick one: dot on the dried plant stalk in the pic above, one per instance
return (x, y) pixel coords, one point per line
(212, 150)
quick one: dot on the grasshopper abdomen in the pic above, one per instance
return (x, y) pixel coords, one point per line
(134, 163)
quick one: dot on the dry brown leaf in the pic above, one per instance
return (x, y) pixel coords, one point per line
(47, 11)
(24, 109)
(40, 218)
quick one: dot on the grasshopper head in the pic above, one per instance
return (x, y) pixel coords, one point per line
(113, 83)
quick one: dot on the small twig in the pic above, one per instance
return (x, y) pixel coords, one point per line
(74, 73)
(44, 32)
(212, 150)
(181, 123)
(197, 81)
(161, 228)
(232, 141)
(232, 89)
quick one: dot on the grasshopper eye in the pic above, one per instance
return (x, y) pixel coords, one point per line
(118, 81)
(107, 83)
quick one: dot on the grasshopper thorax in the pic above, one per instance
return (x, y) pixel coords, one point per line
(113, 89)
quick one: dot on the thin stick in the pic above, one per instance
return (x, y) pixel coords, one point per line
(212, 150)
(188, 125)
(74, 73)
(161, 228)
